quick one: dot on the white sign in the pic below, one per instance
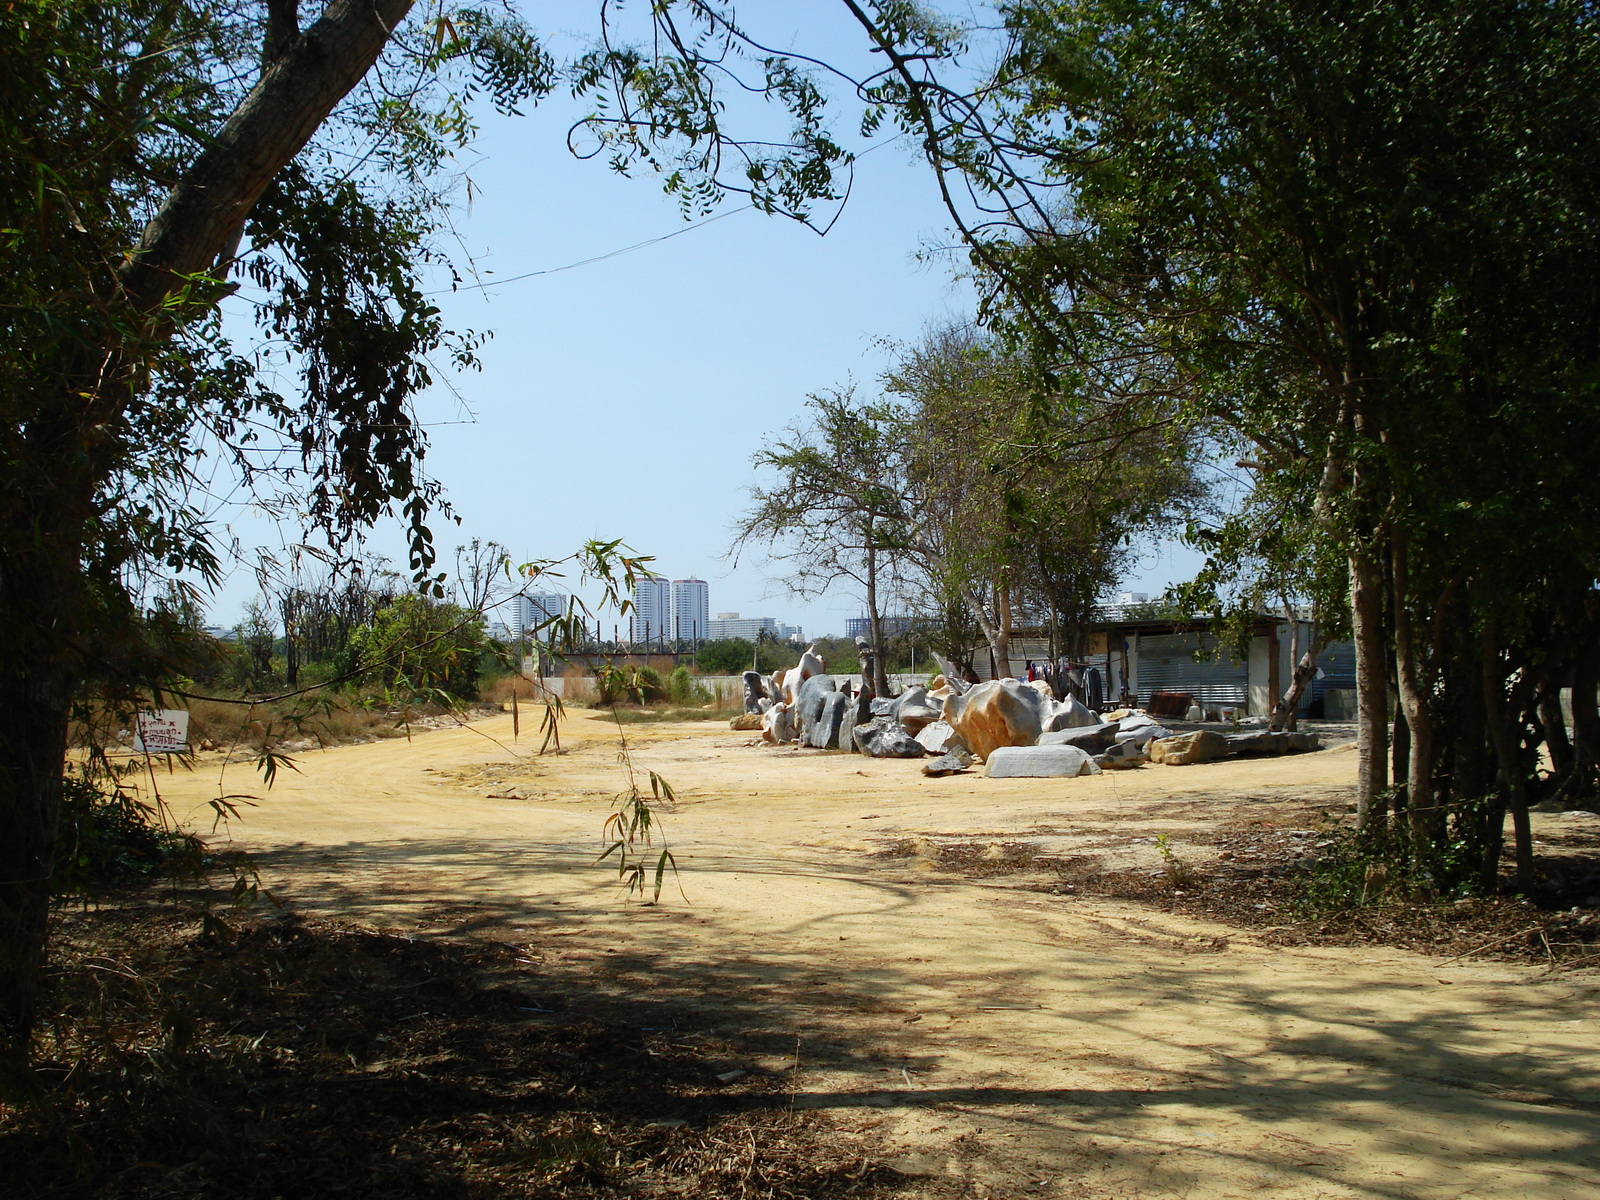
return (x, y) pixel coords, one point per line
(164, 732)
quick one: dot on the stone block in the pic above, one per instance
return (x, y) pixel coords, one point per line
(1123, 755)
(1197, 747)
(808, 703)
(950, 764)
(937, 737)
(882, 737)
(914, 710)
(755, 691)
(1039, 762)
(824, 732)
(1093, 738)
(1068, 714)
(1265, 743)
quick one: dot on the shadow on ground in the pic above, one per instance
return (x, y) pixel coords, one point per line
(1314, 1065)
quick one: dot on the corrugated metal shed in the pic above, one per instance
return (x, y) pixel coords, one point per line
(1167, 664)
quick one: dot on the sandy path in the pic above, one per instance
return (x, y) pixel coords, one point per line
(1030, 1043)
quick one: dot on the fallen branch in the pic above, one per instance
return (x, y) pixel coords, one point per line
(1492, 945)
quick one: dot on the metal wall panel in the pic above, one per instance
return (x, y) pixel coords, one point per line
(1166, 664)
(1338, 666)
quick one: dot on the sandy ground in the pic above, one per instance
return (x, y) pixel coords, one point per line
(1022, 1041)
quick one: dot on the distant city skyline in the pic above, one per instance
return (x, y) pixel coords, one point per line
(680, 610)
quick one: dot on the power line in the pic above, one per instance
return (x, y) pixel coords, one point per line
(597, 258)
(637, 245)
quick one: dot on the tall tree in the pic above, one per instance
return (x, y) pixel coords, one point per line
(1361, 236)
(1032, 496)
(836, 508)
(152, 149)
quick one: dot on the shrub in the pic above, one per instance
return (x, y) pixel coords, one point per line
(627, 683)
(1360, 867)
(107, 837)
(727, 656)
(683, 688)
(420, 645)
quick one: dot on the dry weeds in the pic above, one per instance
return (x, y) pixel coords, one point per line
(279, 1057)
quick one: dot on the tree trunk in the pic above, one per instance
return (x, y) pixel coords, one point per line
(42, 597)
(992, 632)
(33, 743)
(1585, 723)
(288, 609)
(1372, 682)
(1555, 734)
(1399, 758)
(1513, 784)
(1420, 802)
(1002, 600)
(42, 593)
(1283, 714)
(206, 207)
(1305, 670)
(880, 674)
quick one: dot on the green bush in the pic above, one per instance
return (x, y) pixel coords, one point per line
(627, 683)
(727, 656)
(1360, 867)
(683, 688)
(421, 645)
(731, 656)
(107, 838)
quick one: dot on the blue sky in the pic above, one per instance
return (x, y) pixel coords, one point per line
(624, 398)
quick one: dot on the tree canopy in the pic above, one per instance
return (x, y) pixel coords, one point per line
(162, 155)
(1356, 240)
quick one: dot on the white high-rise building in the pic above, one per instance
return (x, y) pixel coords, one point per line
(528, 610)
(651, 618)
(691, 609)
(732, 625)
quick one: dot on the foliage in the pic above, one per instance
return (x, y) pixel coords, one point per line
(141, 146)
(1347, 244)
(254, 639)
(735, 656)
(141, 143)
(680, 688)
(1179, 873)
(1034, 487)
(838, 509)
(668, 714)
(108, 837)
(725, 656)
(1357, 867)
(416, 645)
(627, 683)
(632, 828)
(660, 102)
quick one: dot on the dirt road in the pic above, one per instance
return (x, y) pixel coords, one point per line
(1026, 1041)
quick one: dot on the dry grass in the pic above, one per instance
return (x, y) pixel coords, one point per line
(706, 712)
(328, 720)
(285, 1058)
(577, 690)
(245, 729)
(527, 691)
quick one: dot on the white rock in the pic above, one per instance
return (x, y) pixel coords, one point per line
(1038, 762)
(1140, 730)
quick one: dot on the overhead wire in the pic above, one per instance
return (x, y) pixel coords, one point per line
(484, 286)
(594, 259)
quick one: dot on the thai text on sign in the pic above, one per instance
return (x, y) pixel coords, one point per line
(163, 732)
